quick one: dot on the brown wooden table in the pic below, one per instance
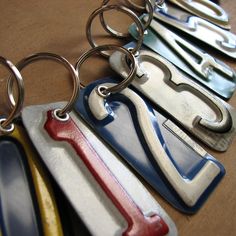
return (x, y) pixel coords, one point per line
(58, 26)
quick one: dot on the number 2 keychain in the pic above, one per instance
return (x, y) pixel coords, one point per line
(107, 197)
(27, 202)
(173, 164)
(206, 116)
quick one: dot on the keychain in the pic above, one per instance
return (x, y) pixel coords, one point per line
(202, 8)
(199, 65)
(206, 116)
(222, 40)
(208, 71)
(182, 172)
(210, 119)
(90, 175)
(206, 10)
(114, 116)
(22, 179)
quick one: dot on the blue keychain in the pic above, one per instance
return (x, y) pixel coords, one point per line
(197, 64)
(175, 166)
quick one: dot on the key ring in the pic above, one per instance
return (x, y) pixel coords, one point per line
(113, 32)
(60, 114)
(105, 91)
(154, 3)
(6, 125)
(118, 8)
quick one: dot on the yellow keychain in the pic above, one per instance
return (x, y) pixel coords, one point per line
(45, 197)
(25, 190)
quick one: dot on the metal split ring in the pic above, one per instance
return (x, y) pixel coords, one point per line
(113, 32)
(61, 113)
(118, 8)
(104, 91)
(6, 125)
(142, 8)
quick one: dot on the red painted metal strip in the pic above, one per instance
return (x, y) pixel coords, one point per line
(138, 224)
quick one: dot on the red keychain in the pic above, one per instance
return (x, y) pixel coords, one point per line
(90, 175)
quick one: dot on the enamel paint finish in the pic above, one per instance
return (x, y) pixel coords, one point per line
(49, 214)
(75, 174)
(17, 210)
(206, 116)
(205, 9)
(119, 125)
(138, 224)
(197, 64)
(198, 28)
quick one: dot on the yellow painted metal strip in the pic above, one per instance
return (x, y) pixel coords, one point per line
(45, 196)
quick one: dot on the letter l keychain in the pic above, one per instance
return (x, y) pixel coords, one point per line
(89, 174)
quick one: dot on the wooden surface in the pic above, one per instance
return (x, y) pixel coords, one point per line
(28, 27)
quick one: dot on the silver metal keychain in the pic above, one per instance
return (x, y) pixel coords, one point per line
(198, 28)
(206, 116)
(201, 66)
(159, 155)
(206, 10)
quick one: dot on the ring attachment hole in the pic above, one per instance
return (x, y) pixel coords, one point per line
(8, 129)
(102, 91)
(58, 116)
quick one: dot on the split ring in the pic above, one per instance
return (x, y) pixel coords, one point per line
(118, 8)
(6, 125)
(61, 60)
(113, 32)
(124, 83)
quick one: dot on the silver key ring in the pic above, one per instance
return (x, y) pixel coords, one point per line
(118, 8)
(6, 125)
(157, 3)
(104, 91)
(61, 113)
(113, 32)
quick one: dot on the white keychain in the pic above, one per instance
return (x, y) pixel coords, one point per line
(206, 116)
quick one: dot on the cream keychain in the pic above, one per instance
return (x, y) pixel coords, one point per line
(206, 116)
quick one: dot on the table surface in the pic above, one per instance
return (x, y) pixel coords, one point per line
(28, 27)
